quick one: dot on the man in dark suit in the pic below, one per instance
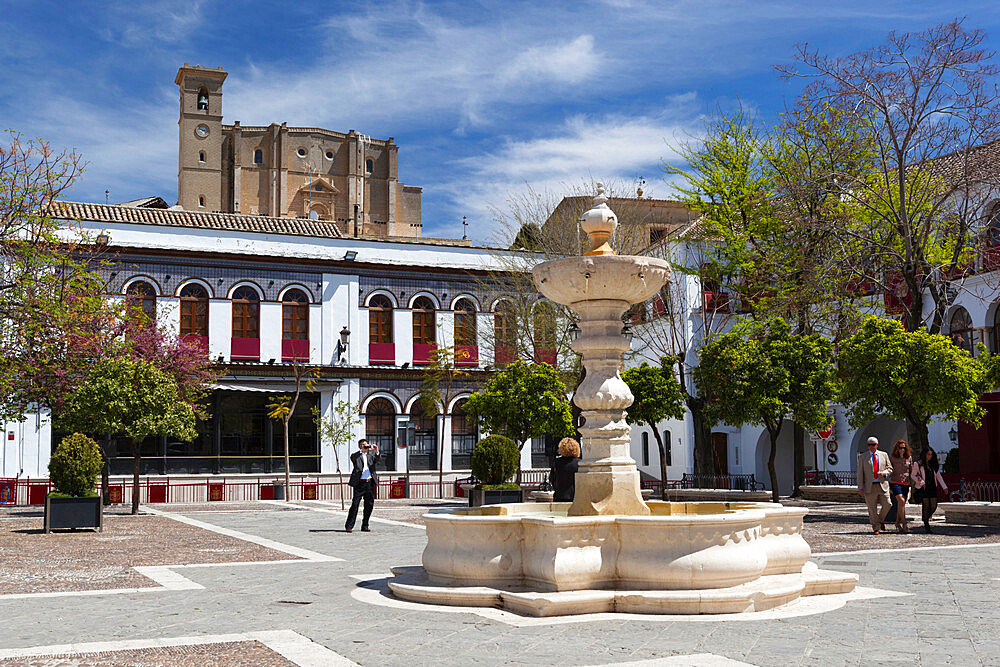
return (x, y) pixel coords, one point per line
(363, 481)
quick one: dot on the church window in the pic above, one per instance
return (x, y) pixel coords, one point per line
(301, 152)
(258, 156)
(314, 214)
(318, 188)
(203, 100)
(369, 166)
(201, 200)
(201, 156)
(329, 155)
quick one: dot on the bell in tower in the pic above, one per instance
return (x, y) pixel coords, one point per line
(202, 100)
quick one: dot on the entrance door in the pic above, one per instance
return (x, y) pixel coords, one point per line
(720, 453)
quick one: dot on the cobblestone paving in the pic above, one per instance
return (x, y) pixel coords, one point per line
(34, 562)
(949, 614)
(230, 654)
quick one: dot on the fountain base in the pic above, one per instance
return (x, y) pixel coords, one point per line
(682, 558)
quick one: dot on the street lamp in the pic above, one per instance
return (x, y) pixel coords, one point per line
(953, 435)
(573, 331)
(345, 338)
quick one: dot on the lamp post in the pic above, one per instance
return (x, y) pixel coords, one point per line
(345, 339)
(953, 435)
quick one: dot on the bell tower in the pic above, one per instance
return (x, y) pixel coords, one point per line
(199, 166)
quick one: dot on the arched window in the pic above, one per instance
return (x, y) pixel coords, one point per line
(194, 311)
(380, 425)
(996, 329)
(203, 99)
(369, 166)
(463, 437)
(201, 156)
(423, 455)
(545, 333)
(246, 313)
(141, 295)
(960, 330)
(380, 319)
(295, 315)
(258, 156)
(465, 323)
(505, 333)
(993, 226)
(201, 201)
(423, 321)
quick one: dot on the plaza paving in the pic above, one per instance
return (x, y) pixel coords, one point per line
(323, 601)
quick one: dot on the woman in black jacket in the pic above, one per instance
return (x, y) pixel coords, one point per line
(563, 474)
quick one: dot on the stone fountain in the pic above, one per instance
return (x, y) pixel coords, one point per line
(609, 550)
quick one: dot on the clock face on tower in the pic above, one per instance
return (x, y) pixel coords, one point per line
(201, 131)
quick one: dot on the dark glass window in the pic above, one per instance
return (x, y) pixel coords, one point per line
(463, 437)
(194, 310)
(961, 331)
(423, 452)
(295, 315)
(380, 319)
(141, 294)
(246, 313)
(666, 447)
(423, 321)
(645, 448)
(380, 426)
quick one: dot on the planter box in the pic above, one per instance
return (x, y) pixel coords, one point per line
(480, 497)
(64, 513)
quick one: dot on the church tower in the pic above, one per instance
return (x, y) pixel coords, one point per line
(199, 168)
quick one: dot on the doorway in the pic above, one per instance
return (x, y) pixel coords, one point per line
(720, 453)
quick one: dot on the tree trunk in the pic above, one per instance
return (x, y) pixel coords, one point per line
(106, 471)
(702, 438)
(663, 461)
(917, 436)
(136, 458)
(799, 457)
(288, 461)
(441, 458)
(773, 434)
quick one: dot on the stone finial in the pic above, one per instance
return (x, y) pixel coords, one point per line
(599, 222)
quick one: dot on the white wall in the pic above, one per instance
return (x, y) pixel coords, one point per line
(220, 327)
(28, 453)
(270, 331)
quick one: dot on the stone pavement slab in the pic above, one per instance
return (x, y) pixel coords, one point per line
(948, 613)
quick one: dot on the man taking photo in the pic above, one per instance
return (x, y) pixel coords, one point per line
(363, 481)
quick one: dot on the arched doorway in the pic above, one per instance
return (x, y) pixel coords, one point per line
(887, 430)
(423, 450)
(380, 423)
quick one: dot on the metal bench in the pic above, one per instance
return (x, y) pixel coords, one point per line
(976, 490)
(745, 482)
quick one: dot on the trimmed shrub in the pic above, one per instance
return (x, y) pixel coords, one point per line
(75, 465)
(951, 461)
(495, 459)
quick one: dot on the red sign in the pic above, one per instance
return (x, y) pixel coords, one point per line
(824, 434)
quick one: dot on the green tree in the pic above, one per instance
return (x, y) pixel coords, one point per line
(439, 386)
(761, 373)
(338, 428)
(909, 375)
(658, 396)
(133, 398)
(523, 401)
(281, 408)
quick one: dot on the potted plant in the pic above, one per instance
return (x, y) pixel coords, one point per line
(73, 470)
(494, 462)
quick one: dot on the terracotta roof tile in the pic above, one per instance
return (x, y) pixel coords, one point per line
(196, 219)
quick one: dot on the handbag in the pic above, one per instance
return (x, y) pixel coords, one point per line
(917, 474)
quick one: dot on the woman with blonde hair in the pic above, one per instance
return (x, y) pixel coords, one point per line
(899, 481)
(563, 474)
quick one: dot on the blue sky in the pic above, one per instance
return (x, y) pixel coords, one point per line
(482, 97)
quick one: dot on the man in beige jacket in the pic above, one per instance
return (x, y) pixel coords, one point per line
(874, 469)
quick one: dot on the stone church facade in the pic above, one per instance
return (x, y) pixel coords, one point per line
(280, 171)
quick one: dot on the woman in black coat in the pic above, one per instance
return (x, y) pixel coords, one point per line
(563, 474)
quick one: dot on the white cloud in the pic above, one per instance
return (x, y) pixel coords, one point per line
(571, 62)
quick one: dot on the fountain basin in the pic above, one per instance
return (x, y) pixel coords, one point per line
(712, 557)
(601, 277)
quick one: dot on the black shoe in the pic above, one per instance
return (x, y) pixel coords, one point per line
(348, 530)
(927, 528)
(365, 529)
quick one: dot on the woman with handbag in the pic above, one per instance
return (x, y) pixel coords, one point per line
(926, 481)
(899, 481)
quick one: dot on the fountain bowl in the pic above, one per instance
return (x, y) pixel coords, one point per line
(601, 277)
